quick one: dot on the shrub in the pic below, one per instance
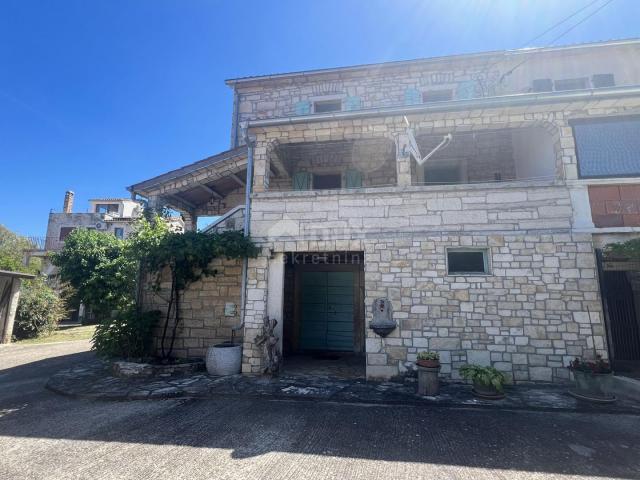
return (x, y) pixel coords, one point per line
(39, 310)
(427, 355)
(128, 335)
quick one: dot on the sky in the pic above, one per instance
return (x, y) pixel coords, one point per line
(96, 95)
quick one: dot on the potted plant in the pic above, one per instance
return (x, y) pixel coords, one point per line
(592, 380)
(428, 370)
(487, 381)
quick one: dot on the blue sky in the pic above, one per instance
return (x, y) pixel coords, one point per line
(97, 95)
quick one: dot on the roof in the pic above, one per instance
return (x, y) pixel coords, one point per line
(110, 199)
(400, 63)
(192, 167)
(7, 273)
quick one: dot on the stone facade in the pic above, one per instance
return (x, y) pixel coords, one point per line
(202, 309)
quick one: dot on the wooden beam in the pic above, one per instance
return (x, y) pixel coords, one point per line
(183, 201)
(238, 180)
(210, 190)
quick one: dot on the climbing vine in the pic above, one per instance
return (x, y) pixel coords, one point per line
(187, 258)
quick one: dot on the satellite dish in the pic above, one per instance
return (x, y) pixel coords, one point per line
(413, 149)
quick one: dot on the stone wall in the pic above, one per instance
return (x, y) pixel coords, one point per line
(465, 76)
(204, 322)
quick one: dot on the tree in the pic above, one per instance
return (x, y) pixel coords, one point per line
(96, 266)
(12, 247)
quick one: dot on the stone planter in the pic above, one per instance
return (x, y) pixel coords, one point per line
(488, 392)
(428, 381)
(593, 387)
(224, 359)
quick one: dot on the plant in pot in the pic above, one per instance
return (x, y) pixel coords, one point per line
(488, 382)
(428, 370)
(592, 380)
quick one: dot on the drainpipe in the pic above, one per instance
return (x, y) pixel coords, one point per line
(247, 215)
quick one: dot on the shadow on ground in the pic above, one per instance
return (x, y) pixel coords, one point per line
(561, 443)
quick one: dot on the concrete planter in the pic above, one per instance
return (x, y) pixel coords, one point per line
(428, 381)
(224, 359)
(594, 387)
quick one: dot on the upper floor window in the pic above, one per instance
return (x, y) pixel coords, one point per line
(64, 232)
(325, 106)
(106, 208)
(436, 96)
(119, 232)
(571, 84)
(608, 147)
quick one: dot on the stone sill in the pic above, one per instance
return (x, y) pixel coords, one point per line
(604, 181)
(607, 230)
(513, 185)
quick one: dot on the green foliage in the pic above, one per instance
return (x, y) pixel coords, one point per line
(426, 355)
(39, 310)
(96, 266)
(487, 376)
(628, 250)
(128, 335)
(104, 271)
(12, 247)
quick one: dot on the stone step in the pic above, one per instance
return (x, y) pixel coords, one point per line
(626, 387)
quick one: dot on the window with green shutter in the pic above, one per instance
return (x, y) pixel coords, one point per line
(353, 179)
(303, 108)
(302, 181)
(353, 103)
(412, 96)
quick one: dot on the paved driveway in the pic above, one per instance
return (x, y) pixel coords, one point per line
(43, 435)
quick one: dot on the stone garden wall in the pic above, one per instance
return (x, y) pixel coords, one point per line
(204, 321)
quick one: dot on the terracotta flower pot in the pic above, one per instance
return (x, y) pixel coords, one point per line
(428, 363)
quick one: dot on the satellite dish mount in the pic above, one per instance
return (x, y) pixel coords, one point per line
(412, 147)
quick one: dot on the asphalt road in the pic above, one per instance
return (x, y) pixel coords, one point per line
(46, 436)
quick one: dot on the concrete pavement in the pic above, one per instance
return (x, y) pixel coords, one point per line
(46, 436)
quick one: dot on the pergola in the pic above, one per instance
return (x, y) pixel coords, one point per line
(208, 187)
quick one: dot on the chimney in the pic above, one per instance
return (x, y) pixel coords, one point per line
(68, 202)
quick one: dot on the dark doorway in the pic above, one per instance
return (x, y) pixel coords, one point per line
(621, 314)
(324, 312)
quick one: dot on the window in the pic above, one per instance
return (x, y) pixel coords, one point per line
(326, 182)
(436, 96)
(444, 172)
(64, 232)
(325, 106)
(542, 85)
(106, 208)
(467, 261)
(571, 84)
(608, 147)
(602, 80)
(119, 232)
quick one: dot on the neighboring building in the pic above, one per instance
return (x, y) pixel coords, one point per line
(110, 215)
(486, 252)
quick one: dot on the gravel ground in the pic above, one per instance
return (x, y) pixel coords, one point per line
(47, 436)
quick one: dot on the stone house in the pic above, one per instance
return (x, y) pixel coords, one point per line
(487, 252)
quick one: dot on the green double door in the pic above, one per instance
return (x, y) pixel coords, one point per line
(326, 311)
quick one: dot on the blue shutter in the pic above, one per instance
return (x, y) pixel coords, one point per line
(303, 107)
(412, 96)
(302, 181)
(467, 90)
(353, 179)
(353, 103)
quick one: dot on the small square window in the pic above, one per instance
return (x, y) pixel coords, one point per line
(325, 106)
(464, 261)
(436, 96)
(64, 232)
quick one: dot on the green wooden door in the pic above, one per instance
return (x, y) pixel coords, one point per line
(326, 311)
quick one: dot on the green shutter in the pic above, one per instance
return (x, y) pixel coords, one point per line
(303, 108)
(353, 103)
(412, 96)
(302, 181)
(353, 179)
